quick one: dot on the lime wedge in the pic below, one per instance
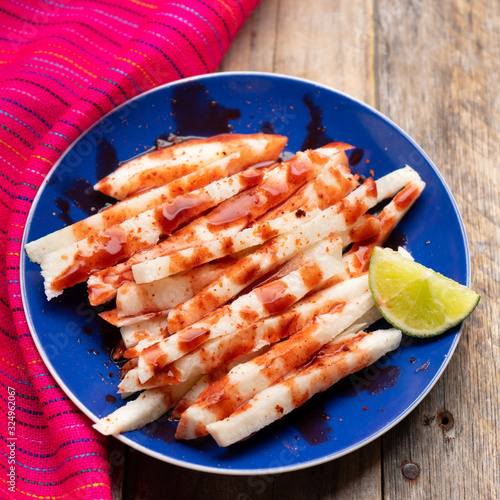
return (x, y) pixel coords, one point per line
(415, 299)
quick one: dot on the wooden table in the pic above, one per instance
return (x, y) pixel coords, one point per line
(434, 69)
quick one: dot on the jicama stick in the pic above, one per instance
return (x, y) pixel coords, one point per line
(155, 328)
(134, 299)
(334, 361)
(73, 263)
(244, 381)
(112, 317)
(70, 265)
(191, 257)
(130, 207)
(225, 220)
(260, 302)
(358, 257)
(330, 186)
(149, 406)
(222, 350)
(337, 218)
(164, 165)
(190, 397)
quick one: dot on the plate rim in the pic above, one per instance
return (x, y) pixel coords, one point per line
(225, 470)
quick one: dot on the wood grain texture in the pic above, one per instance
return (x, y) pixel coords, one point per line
(355, 476)
(117, 455)
(328, 42)
(438, 78)
(433, 68)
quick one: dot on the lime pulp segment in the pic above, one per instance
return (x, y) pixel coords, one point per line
(414, 298)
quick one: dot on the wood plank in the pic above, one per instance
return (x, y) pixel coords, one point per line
(252, 49)
(176, 483)
(329, 43)
(438, 78)
(355, 476)
(117, 456)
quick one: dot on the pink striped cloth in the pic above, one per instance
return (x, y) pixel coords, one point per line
(64, 64)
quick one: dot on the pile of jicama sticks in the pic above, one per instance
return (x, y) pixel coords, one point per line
(240, 280)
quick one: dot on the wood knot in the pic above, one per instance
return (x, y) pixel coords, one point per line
(445, 420)
(410, 470)
(427, 420)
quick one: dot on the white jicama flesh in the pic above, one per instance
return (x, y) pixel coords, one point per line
(243, 382)
(334, 361)
(149, 406)
(134, 299)
(213, 353)
(231, 216)
(155, 328)
(135, 205)
(166, 164)
(191, 257)
(74, 263)
(260, 302)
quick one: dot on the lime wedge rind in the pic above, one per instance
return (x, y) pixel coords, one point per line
(415, 299)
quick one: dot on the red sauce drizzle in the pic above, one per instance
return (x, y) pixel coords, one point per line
(299, 166)
(252, 176)
(311, 275)
(275, 296)
(371, 186)
(252, 204)
(181, 209)
(221, 398)
(406, 197)
(361, 257)
(241, 209)
(352, 212)
(337, 308)
(276, 187)
(191, 338)
(100, 293)
(113, 247)
(152, 356)
(368, 227)
(115, 241)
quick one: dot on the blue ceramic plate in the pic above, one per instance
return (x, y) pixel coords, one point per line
(76, 345)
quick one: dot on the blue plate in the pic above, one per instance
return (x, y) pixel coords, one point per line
(76, 345)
